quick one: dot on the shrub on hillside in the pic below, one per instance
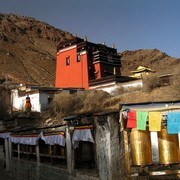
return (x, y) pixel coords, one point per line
(65, 104)
(122, 90)
(94, 101)
(118, 91)
(151, 82)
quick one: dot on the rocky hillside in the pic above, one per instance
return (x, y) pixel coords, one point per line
(28, 49)
(28, 52)
(151, 58)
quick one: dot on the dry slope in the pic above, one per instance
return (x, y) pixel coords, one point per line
(152, 58)
(28, 49)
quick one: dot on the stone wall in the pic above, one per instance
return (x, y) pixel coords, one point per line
(108, 146)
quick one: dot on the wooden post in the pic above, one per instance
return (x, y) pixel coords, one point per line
(50, 150)
(10, 149)
(37, 153)
(18, 151)
(7, 154)
(69, 150)
(37, 159)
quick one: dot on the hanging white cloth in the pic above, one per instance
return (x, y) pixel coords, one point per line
(4, 135)
(81, 135)
(50, 139)
(58, 139)
(28, 140)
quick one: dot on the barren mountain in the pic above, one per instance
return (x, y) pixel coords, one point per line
(28, 49)
(28, 52)
(151, 58)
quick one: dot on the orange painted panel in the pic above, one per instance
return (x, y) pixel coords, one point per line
(97, 67)
(73, 75)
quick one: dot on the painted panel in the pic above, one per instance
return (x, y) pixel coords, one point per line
(75, 74)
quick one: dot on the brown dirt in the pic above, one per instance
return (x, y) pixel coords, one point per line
(151, 58)
(28, 49)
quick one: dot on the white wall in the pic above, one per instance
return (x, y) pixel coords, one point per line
(35, 102)
(44, 101)
(135, 83)
(109, 87)
(19, 102)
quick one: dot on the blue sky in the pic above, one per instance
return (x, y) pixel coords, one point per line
(129, 24)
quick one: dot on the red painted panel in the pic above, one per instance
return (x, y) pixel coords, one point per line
(75, 74)
(97, 67)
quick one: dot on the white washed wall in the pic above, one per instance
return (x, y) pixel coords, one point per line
(109, 87)
(35, 102)
(136, 83)
(44, 101)
(19, 102)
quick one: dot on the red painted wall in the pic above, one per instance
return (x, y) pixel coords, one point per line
(97, 67)
(74, 75)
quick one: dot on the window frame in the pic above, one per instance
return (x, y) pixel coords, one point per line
(48, 154)
(67, 60)
(78, 57)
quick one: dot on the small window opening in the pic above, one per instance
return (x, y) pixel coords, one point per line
(78, 58)
(67, 61)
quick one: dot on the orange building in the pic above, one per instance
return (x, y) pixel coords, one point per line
(79, 62)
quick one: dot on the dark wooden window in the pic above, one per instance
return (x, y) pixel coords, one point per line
(91, 73)
(78, 58)
(67, 60)
(1, 141)
(108, 70)
(52, 154)
(14, 150)
(85, 155)
(28, 152)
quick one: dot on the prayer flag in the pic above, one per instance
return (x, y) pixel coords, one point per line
(141, 118)
(131, 119)
(155, 119)
(173, 122)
